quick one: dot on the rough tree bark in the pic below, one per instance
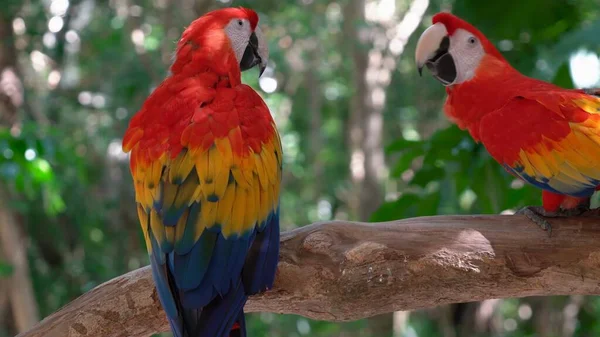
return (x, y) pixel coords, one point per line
(341, 271)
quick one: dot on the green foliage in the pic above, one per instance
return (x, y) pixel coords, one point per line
(5, 269)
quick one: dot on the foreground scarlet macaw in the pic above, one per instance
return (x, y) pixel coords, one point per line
(544, 134)
(206, 162)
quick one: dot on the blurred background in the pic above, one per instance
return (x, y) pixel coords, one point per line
(364, 139)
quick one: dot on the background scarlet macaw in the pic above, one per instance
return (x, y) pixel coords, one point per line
(206, 162)
(546, 135)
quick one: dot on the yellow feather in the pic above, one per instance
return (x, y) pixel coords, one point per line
(223, 166)
(277, 141)
(275, 201)
(158, 230)
(270, 164)
(197, 196)
(208, 214)
(236, 171)
(263, 179)
(181, 167)
(185, 192)
(257, 209)
(251, 209)
(590, 105)
(143, 216)
(180, 227)
(170, 234)
(572, 173)
(169, 194)
(225, 210)
(263, 199)
(147, 198)
(586, 145)
(248, 168)
(238, 210)
(155, 171)
(202, 168)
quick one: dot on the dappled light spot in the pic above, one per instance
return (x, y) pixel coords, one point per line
(30, 154)
(115, 150)
(19, 26)
(55, 24)
(585, 68)
(505, 45)
(53, 79)
(268, 84)
(59, 7)
(49, 40)
(39, 60)
(11, 86)
(85, 98)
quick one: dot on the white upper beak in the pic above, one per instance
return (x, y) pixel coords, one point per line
(429, 42)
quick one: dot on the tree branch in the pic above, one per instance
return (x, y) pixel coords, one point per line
(341, 271)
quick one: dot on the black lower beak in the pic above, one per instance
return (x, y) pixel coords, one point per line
(443, 69)
(442, 65)
(251, 58)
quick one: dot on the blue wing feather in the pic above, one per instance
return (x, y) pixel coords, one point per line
(261, 262)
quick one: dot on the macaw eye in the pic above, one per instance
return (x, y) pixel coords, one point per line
(240, 22)
(472, 40)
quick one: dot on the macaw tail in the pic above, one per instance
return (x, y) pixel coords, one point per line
(239, 327)
(224, 316)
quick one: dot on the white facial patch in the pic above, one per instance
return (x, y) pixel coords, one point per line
(467, 52)
(238, 31)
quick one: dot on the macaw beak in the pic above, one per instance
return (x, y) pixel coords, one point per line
(251, 57)
(433, 51)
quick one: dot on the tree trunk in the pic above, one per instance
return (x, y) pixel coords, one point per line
(11, 87)
(315, 107)
(14, 249)
(374, 57)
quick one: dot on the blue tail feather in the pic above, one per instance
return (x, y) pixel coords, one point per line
(220, 315)
(241, 329)
(190, 269)
(160, 275)
(261, 262)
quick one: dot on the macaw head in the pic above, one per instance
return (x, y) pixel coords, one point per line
(453, 50)
(220, 38)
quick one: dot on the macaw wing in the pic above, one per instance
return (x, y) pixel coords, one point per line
(203, 209)
(550, 139)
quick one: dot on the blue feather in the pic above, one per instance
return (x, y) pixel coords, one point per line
(161, 280)
(261, 263)
(190, 269)
(543, 183)
(219, 316)
(186, 243)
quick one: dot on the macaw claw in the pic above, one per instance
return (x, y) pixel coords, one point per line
(538, 214)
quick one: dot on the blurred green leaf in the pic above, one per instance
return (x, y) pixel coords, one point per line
(405, 160)
(563, 77)
(426, 175)
(5, 269)
(402, 144)
(398, 209)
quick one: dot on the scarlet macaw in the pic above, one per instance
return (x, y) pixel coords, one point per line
(546, 135)
(206, 163)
